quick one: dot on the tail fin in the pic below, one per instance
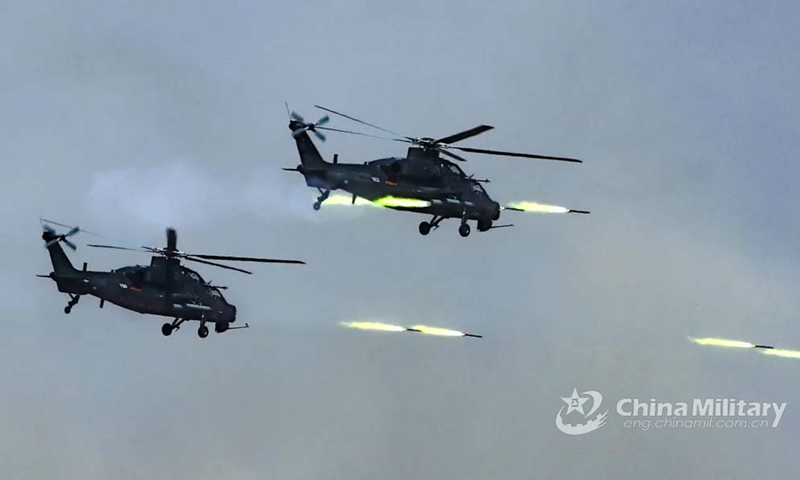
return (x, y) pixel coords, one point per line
(61, 263)
(309, 155)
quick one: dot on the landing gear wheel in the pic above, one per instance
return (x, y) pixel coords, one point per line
(317, 205)
(202, 332)
(464, 230)
(73, 300)
(424, 228)
(166, 329)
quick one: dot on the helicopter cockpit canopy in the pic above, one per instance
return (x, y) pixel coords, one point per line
(455, 169)
(416, 166)
(195, 277)
(478, 188)
(391, 165)
(138, 275)
(192, 274)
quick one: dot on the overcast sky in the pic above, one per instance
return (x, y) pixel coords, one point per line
(128, 117)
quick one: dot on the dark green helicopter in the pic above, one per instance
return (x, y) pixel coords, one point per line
(422, 181)
(165, 287)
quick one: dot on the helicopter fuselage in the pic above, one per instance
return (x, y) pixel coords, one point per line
(163, 288)
(421, 182)
(445, 193)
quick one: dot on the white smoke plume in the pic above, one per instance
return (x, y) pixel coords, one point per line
(161, 193)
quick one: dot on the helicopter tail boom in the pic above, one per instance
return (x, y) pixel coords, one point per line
(309, 155)
(68, 278)
(59, 259)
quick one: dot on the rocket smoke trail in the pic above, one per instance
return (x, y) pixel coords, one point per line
(423, 329)
(722, 342)
(377, 326)
(777, 352)
(765, 349)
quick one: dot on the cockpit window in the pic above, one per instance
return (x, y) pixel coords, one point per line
(478, 188)
(137, 276)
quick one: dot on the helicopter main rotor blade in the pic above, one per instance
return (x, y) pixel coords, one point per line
(514, 154)
(465, 134)
(45, 221)
(360, 121)
(217, 265)
(354, 133)
(245, 259)
(451, 154)
(114, 247)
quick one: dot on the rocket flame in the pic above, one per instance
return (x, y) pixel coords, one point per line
(538, 207)
(442, 332)
(765, 349)
(388, 201)
(782, 353)
(722, 342)
(347, 201)
(383, 327)
(391, 201)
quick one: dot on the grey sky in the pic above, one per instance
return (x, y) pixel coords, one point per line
(685, 113)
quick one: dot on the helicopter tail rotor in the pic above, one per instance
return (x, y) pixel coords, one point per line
(303, 126)
(51, 237)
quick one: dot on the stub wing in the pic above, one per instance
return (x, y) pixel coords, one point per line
(192, 306)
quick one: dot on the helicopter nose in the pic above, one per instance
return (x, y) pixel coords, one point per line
(496, 213)
(233, 313)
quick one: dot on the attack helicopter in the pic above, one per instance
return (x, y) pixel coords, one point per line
(165, 287)
(423, 181)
